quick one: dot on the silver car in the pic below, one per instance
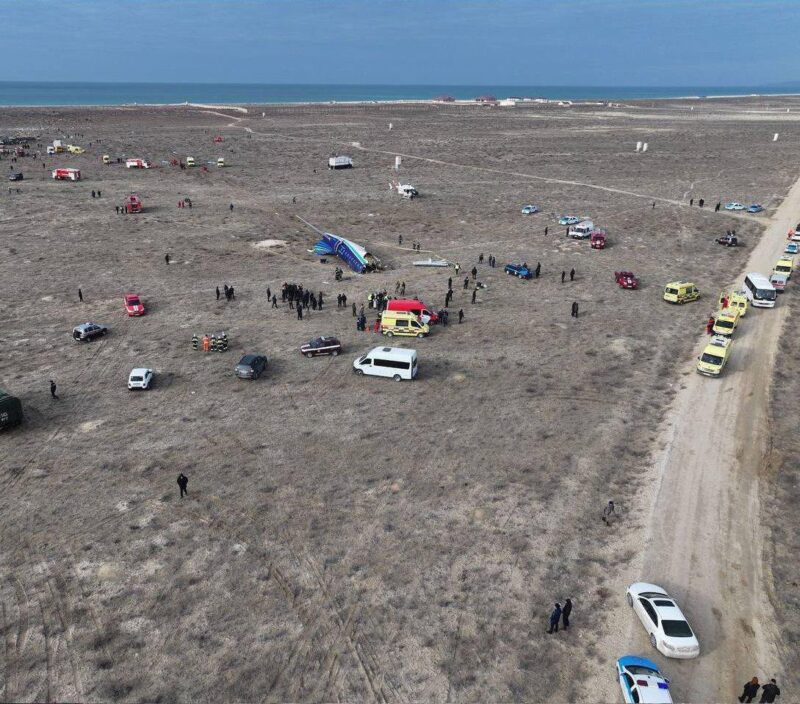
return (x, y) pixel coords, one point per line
(88, 331)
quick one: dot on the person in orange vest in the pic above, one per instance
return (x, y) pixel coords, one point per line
(206, 343)
(724, 302)
(710, 325)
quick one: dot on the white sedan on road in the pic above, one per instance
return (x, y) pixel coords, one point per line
(669, 632)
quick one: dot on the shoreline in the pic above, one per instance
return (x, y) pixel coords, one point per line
(402, 101)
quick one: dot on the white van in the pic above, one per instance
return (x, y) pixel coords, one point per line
(759, 291)
(397, 363)
(582, 230)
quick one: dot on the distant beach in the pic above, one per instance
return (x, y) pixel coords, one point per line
(39, 94)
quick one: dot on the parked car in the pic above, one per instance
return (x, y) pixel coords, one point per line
(140, 378)
(251, 366)
(321, 345)
(133, 304)
(568, 220)
(669, 631)
(729, 240)
(792, 248)
(519, 270)
(530, 209)
(755, 208)
(88, 331)
(10, 410)
(626, 279)
(733, 205)
(16, 176)
(642, 682)
(779, 281)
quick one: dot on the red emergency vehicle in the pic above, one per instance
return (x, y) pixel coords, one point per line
(412, 305)
(67, 174)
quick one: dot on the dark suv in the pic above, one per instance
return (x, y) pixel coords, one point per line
(251, 366)
(88, 331)
(15, 176)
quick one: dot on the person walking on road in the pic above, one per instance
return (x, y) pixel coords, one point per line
(546, 228)
(574, 313)
(80, 295)
(572, 274)
(217, 292)
(460, 315)
(538, 269)
(53, 390)
(565, 612)
(769, 691)
(274, 301)
(750, 690)
(555, 617)
(299, 312)
(166, 259)
(474, 295)
(563, 276)
(183, 482)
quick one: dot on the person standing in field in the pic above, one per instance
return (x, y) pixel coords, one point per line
(53, 388)
(183, 482)
(750, 690)
(609, 513)
(565, 612)
(555, 617)
(572, 274)
(80, 295)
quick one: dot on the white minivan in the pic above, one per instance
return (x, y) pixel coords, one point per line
(582, 230)
(397, 363)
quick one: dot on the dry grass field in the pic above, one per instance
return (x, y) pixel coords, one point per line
(348, 538)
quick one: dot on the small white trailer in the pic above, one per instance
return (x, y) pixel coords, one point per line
(340, 162)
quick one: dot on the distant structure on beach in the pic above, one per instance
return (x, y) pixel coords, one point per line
(486, 99)
(444, 99)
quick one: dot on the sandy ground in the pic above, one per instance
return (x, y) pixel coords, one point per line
(353, 539)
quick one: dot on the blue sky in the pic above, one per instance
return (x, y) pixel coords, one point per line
(512, 42)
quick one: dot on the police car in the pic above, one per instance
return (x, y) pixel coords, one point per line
(519, 270)
(530, 210)
(642, 682)
(568, 220)
(321, 345)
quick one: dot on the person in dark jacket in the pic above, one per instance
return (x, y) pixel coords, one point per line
(750, 690)
(183, 482)
(555, 617)
(217, 292)
(769, 691)
(53, 390)
(565, 612)
(572, 274)
(563, 276)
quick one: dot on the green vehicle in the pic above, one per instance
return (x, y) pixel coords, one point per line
(10, 410)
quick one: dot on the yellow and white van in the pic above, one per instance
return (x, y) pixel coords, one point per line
(737, 300)
(189, 161)
(784, 266)
(715, 356)
(725, 322)
(403, 324)
(681, 292)
(220, 162)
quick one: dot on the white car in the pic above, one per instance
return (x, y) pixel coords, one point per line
(140, 378)
(669, 632)
(734, 206)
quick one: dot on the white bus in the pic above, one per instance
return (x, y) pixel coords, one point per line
(394, 362)
(759, 291)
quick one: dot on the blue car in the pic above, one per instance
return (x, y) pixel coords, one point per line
(642, 682)
(568, 220)
(755, 208)
(519, 270)
(792, 248)
(530, 209)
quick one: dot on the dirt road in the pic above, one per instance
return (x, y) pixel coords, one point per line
(704, 541)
